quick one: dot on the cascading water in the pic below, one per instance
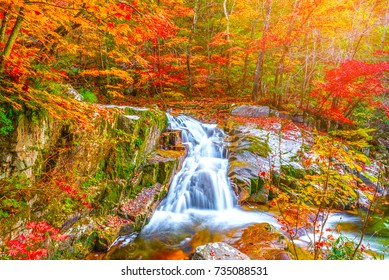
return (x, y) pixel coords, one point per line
(202, 182)
(200, 198)
(200, 195)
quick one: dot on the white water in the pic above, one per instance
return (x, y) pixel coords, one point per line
(200, 195)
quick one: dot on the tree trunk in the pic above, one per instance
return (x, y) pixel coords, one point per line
(4, 23)
(257, 88)
(209, 35)
(246, 58)
(277, 95)
(228, 67)
(189, 51)
(12, 38)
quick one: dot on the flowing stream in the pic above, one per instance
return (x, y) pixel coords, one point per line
(200, 194)
(200, 206)
(200, 198)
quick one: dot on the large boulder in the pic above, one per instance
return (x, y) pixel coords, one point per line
(247, 154)
(218, 251)
(251, 111)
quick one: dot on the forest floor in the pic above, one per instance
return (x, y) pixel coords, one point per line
(206, 109)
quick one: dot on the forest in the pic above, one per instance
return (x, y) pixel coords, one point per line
(319, 66)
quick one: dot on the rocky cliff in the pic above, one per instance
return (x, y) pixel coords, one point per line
(91, 184)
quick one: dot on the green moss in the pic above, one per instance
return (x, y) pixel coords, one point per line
(297, 173)
(257, 185)
(259, 146)
(110, 197)
(166, 171)
(150, 174)
(6, 121)
(88, 96)
(237, 164)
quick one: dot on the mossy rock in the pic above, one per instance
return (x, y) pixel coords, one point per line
(258, 146)
(298, 173)
(258, 192)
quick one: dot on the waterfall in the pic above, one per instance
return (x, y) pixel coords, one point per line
(200, 194)
(202, 182)
(200, 202)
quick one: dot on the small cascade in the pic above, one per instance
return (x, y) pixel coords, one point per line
(202, 182)
(200, 195)
(200, 203)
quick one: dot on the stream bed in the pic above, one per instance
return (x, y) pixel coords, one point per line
(201, 206)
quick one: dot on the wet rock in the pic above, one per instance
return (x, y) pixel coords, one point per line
(263, 242)
(170, 139)
(245, 156)
(218, 251)
(126, 230)
(101, 244)
(251, 111)
(125, 248)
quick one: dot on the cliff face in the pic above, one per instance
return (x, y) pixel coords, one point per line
(80, 181)
(39, 143)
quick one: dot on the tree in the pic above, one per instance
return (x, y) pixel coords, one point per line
(352, 84)
(258, 87)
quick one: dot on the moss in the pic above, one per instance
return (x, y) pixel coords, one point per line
(297, 173)
(110, 197)
(259, 146)
(236, 164)
(170, 153)
(257, 185)
(150, 174)
(165, 171)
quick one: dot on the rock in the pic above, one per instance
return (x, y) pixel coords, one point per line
(274, 113)
(104, 158)
(125, 248)
(101, 244)
(126, 229)
(251, 111)
(254, 150)
(73, 93)
(263, 242)
(218, 251)
(71, 221)
(170, 139)
(246, 155)
(284, 115)
(298, 118)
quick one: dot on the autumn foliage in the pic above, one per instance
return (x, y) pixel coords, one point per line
(182, 49)
(352, 84)
(31, 246)
(324, 59)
